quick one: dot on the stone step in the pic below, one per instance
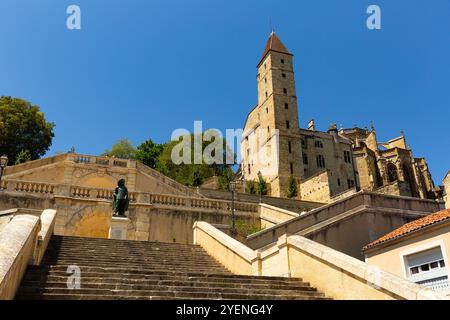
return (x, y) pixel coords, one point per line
(37, 288)
(96, 282)
(171, 276)
(134, 257)
(303, 295)
(141, 270)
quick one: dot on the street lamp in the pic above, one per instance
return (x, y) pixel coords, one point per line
(259, 186)
(3, 164)
(233, 217)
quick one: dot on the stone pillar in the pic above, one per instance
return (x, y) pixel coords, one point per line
(119, 227)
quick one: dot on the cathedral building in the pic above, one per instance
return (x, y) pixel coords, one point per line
(325, 165)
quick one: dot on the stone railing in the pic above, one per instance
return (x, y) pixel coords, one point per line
(336, 274)
(359, 201)
(137, 198)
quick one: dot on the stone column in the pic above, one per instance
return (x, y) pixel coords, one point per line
(119, 227)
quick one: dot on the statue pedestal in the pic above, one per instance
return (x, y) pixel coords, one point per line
(118, 228)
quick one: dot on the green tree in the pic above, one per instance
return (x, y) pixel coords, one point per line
(251, 187)
(23, 157)
(148, 153)
(23, 127)
(122, 149)
(292, 190)
(262, 186)
(191, 174)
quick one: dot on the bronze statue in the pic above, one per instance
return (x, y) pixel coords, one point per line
(121, 199)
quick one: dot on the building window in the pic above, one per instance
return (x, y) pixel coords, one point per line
(284, 75)
(266, 94)
(286, 106)
(292, 168)
(267, 110)
(265, 66)
(282, 61)
(392, 172)
(268, 130)
(249, 169)
(320, 162)
(350, 183)
(339, 182)
(347, 157)
(318, 144)
(304, 145)
(428, 269)
(290, 147)
(287, 124)
(284, 90)
(265, 80)
(305, 159)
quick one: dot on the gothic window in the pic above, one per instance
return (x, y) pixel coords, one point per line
(409, 180)
(320, 162)
(347, 156)
(392, 172)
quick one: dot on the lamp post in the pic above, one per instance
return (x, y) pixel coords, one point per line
(259, 186)
(233, 217)
(3, 164)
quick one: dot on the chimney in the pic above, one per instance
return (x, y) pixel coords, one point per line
(311, 125)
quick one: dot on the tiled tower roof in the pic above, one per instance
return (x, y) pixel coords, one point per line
(274, 44)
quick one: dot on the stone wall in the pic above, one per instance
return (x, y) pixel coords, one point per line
(316, 188)
(87, 211)
(348, 225)
(447, 190)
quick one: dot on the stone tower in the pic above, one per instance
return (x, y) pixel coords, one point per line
(276, 110)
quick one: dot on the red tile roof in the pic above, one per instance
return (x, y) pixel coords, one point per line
(274, 44)
(411, 227)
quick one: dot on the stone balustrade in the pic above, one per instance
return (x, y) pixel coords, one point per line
(157, 200)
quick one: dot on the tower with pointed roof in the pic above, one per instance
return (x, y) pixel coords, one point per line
(277, 110)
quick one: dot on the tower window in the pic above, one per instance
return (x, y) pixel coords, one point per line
(292, 168)
(265, 80)
(290, 147)
(286, 106)
(268, 129)
(304, 145)
(265, 66)
(320, 161)
(284, 75)
(282, 60)
(318, 144)
(305, 159)
(284, 90)
(267, 110)
(266, 94)
(339, 182)
(249, 169)
(287, 124)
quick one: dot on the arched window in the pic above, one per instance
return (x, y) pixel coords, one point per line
(407, 172)
(392, 172)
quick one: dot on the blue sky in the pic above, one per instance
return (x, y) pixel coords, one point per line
(141, 68)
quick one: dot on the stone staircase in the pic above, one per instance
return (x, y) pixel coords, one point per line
(118, 269)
